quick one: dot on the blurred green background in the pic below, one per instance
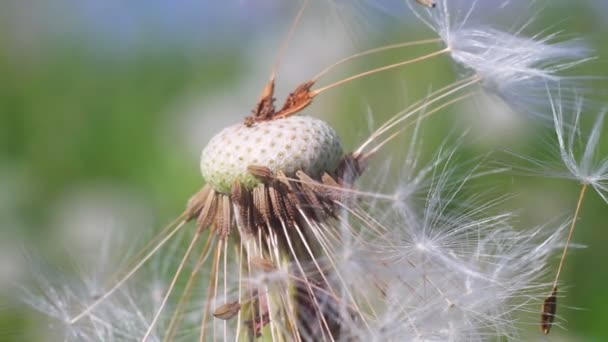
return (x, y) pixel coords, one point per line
(105, 106)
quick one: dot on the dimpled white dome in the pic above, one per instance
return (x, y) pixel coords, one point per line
(289, 144)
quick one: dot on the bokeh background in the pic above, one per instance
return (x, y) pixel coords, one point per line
(105, 106)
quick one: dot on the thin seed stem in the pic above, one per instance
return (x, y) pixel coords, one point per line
(427, 114)
(327, 250)
(549, 306)
(251, 251)
(316, 92)
(171, 285)
(276, 255)
(211, 290)
(430, 98)
(272, 322)
(324, 326)
(570, 233)
(372, 51)
(225, 285)
(215, 279)
(159, 236)
(172, 328)
(403, 115)
(240, 290)
(285, 44)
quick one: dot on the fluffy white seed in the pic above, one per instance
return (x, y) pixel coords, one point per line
(290, 144)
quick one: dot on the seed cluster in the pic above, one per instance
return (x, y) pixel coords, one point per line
(277, 200)
(289, 144)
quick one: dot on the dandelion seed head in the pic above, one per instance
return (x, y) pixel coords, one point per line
(290, 144)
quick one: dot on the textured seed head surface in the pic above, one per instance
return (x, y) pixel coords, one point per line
(289, 144)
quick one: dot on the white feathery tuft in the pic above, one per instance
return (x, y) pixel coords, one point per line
(456, 271)
(58, 294)
(587, 167)
(509, 64)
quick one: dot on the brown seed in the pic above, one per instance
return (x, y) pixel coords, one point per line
(277, 201)
(315, 194)
(548, 310)
(262, 210)
(331, 191)
(223, 216)
(207, 213)
(196, 203)
(291, 199)
(260, 171)
(228, 310)
(428, 3)
(296, 101)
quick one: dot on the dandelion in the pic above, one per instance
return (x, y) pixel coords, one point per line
(448, 270)
(289, 246)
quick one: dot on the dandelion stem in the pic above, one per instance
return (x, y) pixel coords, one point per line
(126, 277)
(372, 51)
(373, 71)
